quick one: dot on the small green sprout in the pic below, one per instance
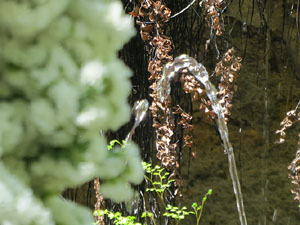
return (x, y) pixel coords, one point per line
(199, 208)
(150, 215)
(177, 214)
(117, 217)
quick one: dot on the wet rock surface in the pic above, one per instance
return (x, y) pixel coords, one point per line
(259, 106)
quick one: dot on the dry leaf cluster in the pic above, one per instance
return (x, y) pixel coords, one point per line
(193, 87)
(151, 17)
(212, 9)
(291, 118)
(228, 70)
(186, 123)
(294, 167)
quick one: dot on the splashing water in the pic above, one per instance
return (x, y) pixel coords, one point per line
(199, 71)
(139, 110)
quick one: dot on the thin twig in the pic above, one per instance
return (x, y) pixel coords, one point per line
(297, 106)
(184, 9)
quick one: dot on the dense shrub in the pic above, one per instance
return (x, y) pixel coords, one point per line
(61, 83)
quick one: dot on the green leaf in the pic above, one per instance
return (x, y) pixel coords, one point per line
(169, 207)
(209, 191)
(156, 183)
(112, 144)
(174, 216)
(151, 189)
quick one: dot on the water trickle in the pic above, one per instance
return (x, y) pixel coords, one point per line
(139, 110)
(199, 71)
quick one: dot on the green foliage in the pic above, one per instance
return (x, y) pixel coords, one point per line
(150, 215)
(176, 213)
(117, 217)
(199, 208)
(158, 178)
(62, 82)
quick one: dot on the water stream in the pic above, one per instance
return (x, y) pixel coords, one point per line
(139, 110)
(199, 71)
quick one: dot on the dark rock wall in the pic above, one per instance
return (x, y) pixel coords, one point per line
(258, 108)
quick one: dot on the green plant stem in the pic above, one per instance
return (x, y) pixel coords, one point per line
(200, 214)
(159, 194)
(153, 220)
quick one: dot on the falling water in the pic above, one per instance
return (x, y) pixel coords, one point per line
(200, 73)
(139, 110)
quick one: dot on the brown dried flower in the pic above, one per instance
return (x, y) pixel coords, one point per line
(294, 167)
(186, 123)
(151, 19)
(228, 69)
(291, 118)
(213, 8)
